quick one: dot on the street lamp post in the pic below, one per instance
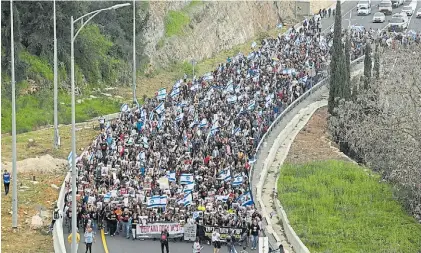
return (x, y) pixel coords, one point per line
(193, 63)
(14, 169)
(134, 52)
(73, 36)
(56, 134)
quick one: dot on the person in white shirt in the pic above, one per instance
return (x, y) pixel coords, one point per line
(216, 241)
(196, 246)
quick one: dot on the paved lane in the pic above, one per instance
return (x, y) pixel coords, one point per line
(119, 244)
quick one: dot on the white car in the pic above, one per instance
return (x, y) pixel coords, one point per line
(418, 13)
(401, 15)
(397, 24)
(364, 10)
(379, 17)
(408, 10)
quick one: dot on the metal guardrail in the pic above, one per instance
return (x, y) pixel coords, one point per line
(272, 242)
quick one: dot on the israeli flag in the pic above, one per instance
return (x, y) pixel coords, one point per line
(214, 129)
(193, 124)
(163, 201)
(189, 187)
(194, 87)
(160, 122)
(160, 108)
(251, 105)
(188, 199)
(230, 87)
(107, 197)
(69, 158)
(151, 116)
(177, 84)
(124, 108)
(161, 94)
(225, 175)
(186, 179)
(154, 201)
(208, 77)
(246, 199)
(238, 180)
(232, 99)
(175, 92)
(236, 130)
(222, 198)
(179, 117)
(203, 123)
(171, 176)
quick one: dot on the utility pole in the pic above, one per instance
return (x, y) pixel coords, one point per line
(193, 63)
(14, 169)
(134, 51)
(56, 134)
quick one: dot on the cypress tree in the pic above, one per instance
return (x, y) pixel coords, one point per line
(367, 65)
(377, 62)
(347, 83)
(336, 58)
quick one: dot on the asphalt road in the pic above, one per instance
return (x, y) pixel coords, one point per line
(119, 244)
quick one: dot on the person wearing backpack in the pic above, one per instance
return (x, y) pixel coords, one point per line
(56, 216)
(164, 240)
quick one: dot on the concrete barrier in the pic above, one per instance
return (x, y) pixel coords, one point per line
(58, 238)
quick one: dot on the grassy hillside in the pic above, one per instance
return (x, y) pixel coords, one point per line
(337, 206)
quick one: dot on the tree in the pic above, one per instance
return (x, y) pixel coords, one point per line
(382, 125)
(347, 84)
(337, 76)
(368, 64)
(377, 62)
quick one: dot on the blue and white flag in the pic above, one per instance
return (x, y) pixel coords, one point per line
(230, 86)
(225, 175)
(161, 121)
(193, 124)
(246, 199)
(157, 201)
(194, 87)
(161, 94)
(107, 197)
(189, 187)
(251, 105)
(208, 77)
(175, 92)
(222, 198)
(151, 116)
(236, 130)
(70, 158)
(171, 176)
(188, 199)
(124, 108)
(203, 123)
(179, 117)
(186, 179)
(238, 180)
(232, 99)
(214, 129)
(160, 108)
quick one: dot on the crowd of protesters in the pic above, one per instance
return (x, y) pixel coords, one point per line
(192, 148)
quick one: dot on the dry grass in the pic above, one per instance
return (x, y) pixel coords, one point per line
(30, 201)
(312, 142)
(43, 142)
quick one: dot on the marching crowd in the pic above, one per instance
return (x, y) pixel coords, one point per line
(184, 156)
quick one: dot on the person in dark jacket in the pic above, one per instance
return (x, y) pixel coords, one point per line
(164, 240)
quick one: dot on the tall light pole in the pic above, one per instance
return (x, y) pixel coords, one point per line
(56, 135)
(134, 52)
(14, 169)
(73, 36)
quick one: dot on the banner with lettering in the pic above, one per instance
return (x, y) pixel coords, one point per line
(157, 228)
(224, 232)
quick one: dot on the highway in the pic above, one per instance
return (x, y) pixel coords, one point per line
(119, 244)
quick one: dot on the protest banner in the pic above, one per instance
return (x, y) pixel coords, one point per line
(155, 229)
(190, 232)
(224, 232)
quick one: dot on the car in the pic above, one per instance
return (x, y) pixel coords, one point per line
(385, 6)
(397, 24)
(397, 3)
(364, 10)
(401, 15)
(379, 17)
(408, 10)
(418, 15)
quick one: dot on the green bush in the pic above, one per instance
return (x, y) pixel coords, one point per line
(338, 207)
(175, 21)
(37, 65)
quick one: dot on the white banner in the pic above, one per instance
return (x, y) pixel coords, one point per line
(190, 232)
(157, 228)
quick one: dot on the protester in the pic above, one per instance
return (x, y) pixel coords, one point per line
(89, 239)
(216, 241)
(255, 229)
(56, 216)
(6, 181)
(164, 240)
(230, 246)
(196, 246)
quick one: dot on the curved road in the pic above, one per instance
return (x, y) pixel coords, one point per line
(119, 244)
